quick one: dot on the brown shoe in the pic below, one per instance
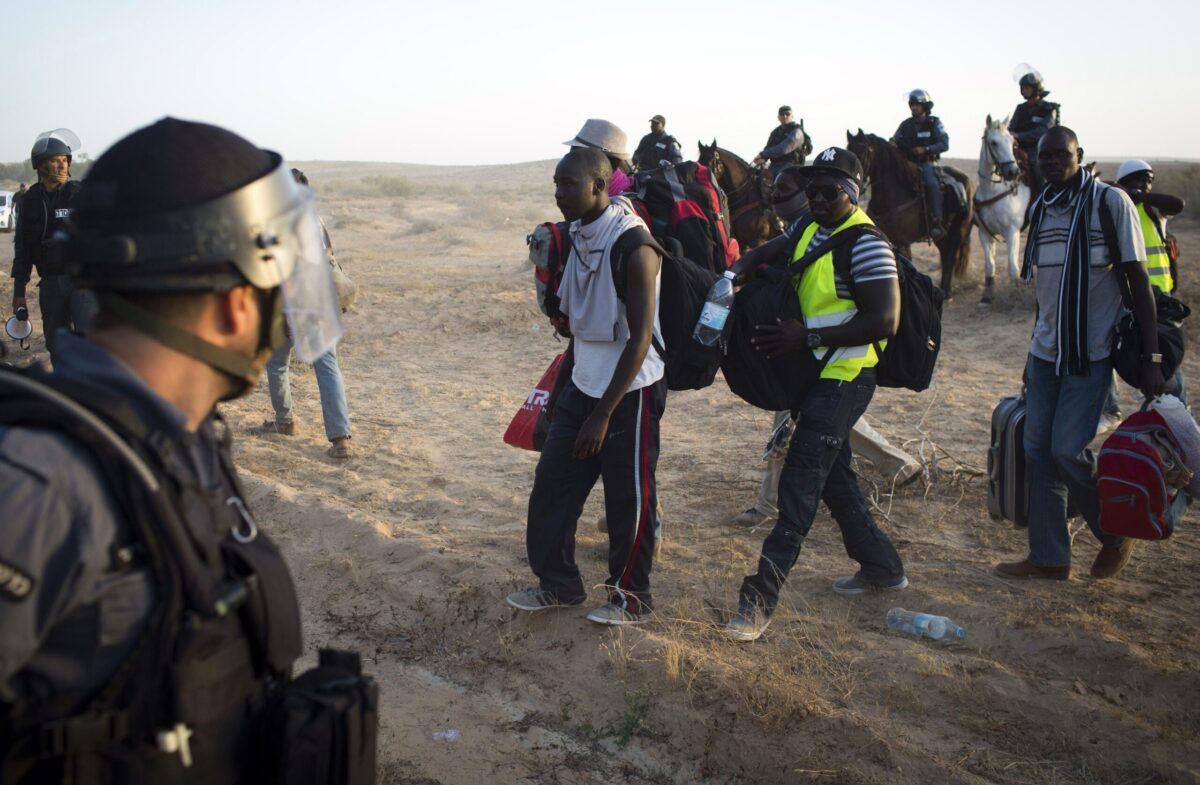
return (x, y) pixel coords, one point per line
(1112, 558)
(281, 427)
(339, 449)
(1027, 569)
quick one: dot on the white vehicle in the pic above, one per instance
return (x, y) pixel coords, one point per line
(8, 217)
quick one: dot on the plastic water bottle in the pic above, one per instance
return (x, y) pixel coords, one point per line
(716, 311)
(923, 625)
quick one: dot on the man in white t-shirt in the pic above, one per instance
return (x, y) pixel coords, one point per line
(606, 405)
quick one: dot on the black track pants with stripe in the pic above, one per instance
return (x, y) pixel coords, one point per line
(562, 483)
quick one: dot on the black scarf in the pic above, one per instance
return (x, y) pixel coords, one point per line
(1072, 330)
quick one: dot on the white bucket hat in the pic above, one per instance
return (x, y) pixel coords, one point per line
(603, 136)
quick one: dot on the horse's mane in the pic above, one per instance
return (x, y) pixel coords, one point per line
(731, 154)
(897, 156)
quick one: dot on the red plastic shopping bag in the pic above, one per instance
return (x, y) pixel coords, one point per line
(523, 431)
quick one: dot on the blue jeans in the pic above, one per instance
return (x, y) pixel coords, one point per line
(818, 469)
(329, 383)
(1061, 416)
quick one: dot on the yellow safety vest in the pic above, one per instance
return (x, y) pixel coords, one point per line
(1158, 261)
(821, 306)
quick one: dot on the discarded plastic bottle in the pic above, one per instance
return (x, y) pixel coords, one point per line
(711, 325)
(923, 625)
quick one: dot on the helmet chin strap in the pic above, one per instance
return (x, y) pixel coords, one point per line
(243, 371)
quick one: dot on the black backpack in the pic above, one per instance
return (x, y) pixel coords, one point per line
(911, 354)
(781, 382)
(690, 365)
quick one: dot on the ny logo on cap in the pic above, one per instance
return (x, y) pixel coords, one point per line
(828, 154)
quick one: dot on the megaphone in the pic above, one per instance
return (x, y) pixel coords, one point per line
(19, 328)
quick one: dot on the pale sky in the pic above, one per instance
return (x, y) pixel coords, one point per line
(490, 82)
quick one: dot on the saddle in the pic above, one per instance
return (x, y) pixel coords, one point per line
(954, 192)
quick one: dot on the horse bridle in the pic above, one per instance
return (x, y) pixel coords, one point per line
(995, 176)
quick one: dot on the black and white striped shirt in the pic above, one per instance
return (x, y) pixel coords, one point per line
(871, 258)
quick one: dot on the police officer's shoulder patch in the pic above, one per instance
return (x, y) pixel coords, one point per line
(15, 584)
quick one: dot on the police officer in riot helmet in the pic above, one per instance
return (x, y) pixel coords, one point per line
(43, 213)
(923, 139)
(145, 621)
(1032, 118)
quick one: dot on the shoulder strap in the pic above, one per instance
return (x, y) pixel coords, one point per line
(832, 243)
(1108, 227)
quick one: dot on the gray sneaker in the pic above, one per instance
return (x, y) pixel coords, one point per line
(615, 615)
(752, 518)
(538, 599)
(853, 584)
(748, 624)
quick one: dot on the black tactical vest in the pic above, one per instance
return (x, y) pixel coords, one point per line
(222, 635)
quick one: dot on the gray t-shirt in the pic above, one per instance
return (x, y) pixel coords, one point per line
(1104, 292)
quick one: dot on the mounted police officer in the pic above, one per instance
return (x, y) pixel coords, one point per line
(145, 622)
(1032, 119)
(785, 146)
(658, 145)
(923, 138)
(44, 211)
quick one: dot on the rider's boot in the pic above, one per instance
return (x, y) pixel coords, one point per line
(989, 290)
(933, 206)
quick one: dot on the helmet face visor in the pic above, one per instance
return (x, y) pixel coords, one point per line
(60, 141)
(306, 280)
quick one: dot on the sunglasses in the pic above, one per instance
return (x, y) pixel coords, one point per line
(826, 193)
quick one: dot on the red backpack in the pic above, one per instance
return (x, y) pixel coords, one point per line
(681, 202)
(1139, 474)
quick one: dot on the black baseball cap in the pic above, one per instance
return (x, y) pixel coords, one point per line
(659, 118)
(785, 109)
(835, 159)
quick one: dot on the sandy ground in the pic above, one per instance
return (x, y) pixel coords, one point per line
(406, 552)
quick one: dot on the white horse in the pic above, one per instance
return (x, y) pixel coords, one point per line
(1000, 202)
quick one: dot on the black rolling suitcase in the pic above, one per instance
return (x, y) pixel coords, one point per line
(1008, 485)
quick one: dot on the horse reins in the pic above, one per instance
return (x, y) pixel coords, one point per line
(1013, 187)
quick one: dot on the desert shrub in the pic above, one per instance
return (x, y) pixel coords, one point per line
(423, 226)
(387, 185)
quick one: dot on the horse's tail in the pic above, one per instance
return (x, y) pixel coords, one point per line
(962, 256)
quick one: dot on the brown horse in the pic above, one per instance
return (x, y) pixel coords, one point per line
(753, 220)
(896, 208)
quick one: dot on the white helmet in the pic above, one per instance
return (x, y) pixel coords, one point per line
(1133, 166)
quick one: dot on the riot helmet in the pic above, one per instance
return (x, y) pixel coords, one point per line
(1026, 75)
(922, 97)
(186, 208)
(60, 141)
